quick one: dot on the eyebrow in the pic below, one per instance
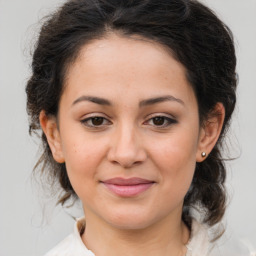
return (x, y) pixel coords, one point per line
(160, 99)
(143, 103)
(96, 100)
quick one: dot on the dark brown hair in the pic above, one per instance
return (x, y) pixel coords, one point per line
(195, 37)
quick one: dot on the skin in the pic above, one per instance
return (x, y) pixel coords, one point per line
(127, 141)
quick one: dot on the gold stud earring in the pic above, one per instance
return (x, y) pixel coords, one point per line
(203, 154)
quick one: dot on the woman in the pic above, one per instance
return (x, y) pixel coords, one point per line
(134, 99)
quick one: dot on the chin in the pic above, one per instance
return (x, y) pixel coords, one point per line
(130, 224)
(131, 220)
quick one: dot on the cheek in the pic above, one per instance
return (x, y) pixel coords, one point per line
(176, 151)
(80, 150)
(176, 160)
(82, 159)
(77, 157)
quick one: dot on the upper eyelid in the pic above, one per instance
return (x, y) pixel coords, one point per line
(166, 118)
(166, 115)
(91, 117)
(108, 118)
(169, 121)
(87, 119)
(93, 114)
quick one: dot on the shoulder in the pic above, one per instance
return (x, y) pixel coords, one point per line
(229, 245)
(202, 242)
(71, 245)
(63, 247)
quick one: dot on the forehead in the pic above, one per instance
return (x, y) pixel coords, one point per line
(126, 65)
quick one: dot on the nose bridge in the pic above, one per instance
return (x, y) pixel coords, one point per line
(126, 139)
(126, 146)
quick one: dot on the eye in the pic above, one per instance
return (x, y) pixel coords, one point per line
(161, 121)
(95, 121)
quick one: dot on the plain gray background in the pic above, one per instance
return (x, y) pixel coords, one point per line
(29, 223)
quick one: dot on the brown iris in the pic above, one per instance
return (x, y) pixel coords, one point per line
(97, 121)
(158, 120)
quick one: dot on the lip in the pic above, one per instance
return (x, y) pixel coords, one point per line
(128, 187)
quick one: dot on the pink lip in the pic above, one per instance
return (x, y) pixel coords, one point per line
(128, 187)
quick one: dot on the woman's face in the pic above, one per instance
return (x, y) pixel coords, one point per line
(128, 132)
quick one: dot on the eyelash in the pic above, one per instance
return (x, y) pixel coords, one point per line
(88, 121)
(168, 121)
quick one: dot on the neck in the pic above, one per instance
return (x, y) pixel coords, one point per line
(167, 237)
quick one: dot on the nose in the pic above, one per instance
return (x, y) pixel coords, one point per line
(126, 148)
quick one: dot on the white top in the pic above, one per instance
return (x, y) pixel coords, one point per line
(198, 245)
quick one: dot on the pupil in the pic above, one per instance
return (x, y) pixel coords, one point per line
(158, 120)
(97, 121)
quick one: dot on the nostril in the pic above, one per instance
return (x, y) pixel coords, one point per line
(126, 149)
(125, 160)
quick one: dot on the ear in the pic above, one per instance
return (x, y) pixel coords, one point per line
(51, 131)
(210, 131)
